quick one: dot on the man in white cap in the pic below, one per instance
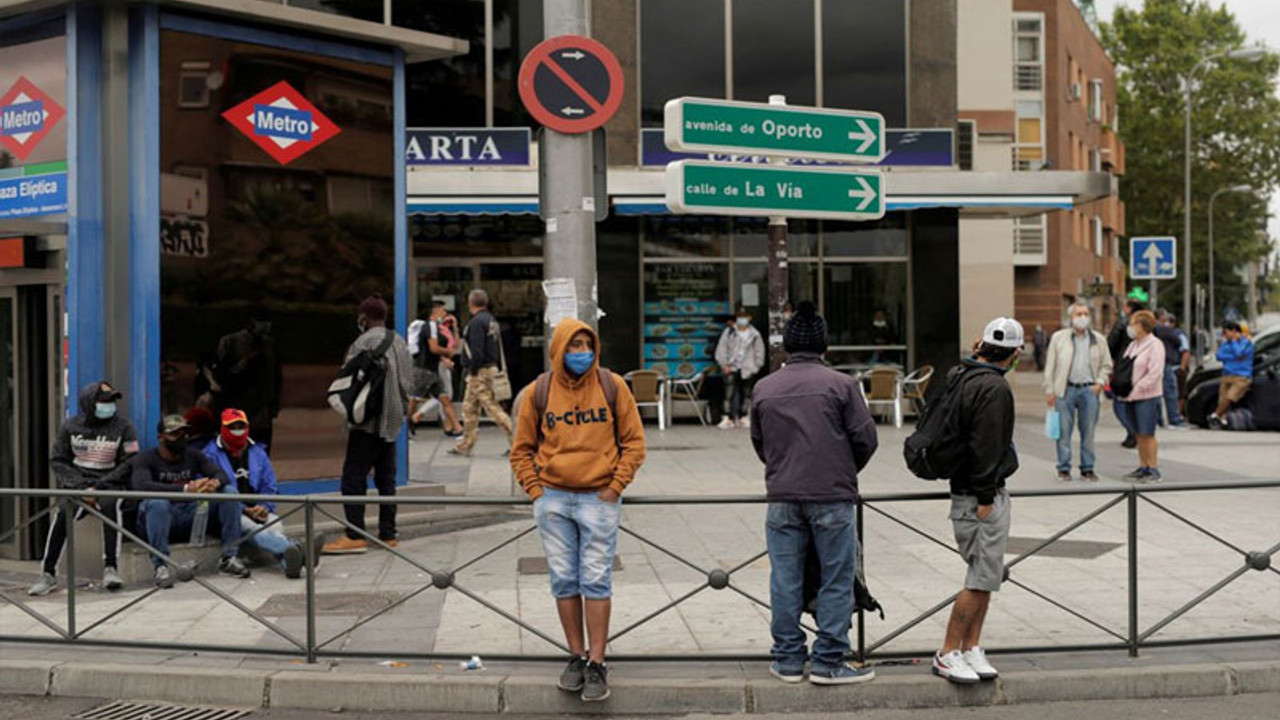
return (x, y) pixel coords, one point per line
(980, 510)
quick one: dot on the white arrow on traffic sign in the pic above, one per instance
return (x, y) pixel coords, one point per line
(572, 110)
(865, 134)
(575, 55)
(1153, 256)
(865, 193)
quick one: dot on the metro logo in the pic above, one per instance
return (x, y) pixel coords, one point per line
(26, 117)
(282, 122)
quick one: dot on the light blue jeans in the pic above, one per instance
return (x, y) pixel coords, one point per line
(272, 539)
(1078, 406)
(579, 534)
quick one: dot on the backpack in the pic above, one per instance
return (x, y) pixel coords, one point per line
(356, 394)
(542, 391)
(1122, 377)
(935, 451)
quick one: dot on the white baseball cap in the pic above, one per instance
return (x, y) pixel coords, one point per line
(1003, 332)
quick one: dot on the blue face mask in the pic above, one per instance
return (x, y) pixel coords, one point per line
(104, 411)
(579, 363)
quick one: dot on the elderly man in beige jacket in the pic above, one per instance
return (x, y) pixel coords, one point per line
(1077, 367)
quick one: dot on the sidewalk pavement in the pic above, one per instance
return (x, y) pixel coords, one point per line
(908, 573)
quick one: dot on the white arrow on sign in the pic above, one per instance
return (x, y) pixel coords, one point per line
(864, 134)
(575, 55)
(865, 193)
(1153, 256)
(566, 110)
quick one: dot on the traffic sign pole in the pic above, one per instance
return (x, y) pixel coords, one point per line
(778, 278)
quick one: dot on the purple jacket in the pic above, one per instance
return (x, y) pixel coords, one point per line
(812, 429)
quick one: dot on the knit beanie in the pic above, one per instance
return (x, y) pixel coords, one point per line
(806, 331)
(374, 308)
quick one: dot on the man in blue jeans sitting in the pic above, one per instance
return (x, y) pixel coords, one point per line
(814, 433)
(175, 468)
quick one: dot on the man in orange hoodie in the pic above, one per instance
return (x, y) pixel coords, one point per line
(578, 444)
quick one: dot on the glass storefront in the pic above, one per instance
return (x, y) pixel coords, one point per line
(266, 251)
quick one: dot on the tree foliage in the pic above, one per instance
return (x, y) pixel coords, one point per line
(1235, 134)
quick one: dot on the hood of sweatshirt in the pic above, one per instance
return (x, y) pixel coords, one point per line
(88, 402)
(560, 339)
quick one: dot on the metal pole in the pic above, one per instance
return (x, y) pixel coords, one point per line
(862, 621)
(1133, 572)
(69, 516)
(569, 250)
(309, 522)
(777, 275)
(1212, 311)
(1186, 200)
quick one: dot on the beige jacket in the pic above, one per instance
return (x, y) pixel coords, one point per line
(1057, 362)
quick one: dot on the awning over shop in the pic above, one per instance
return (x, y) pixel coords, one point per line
(473, 205)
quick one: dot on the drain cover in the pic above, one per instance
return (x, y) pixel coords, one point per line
(120, 710)
(344, 604)
(1077, 549)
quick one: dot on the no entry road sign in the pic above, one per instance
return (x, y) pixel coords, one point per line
(1153, 258)
(763, 190)
(571, 84)
(707, 125)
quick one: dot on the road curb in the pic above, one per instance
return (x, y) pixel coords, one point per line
(536, 694)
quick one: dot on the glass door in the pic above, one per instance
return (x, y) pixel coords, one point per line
(8, 417)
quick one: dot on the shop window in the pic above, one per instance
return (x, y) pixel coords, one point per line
(773, 50)
(686, 308)
(449, 92)
(751, 238)
(682, 52)
(864, 57)
(466, 236)
(866, 304)
(751, 287)
(676, 236)
(886, 237)
(517, 27)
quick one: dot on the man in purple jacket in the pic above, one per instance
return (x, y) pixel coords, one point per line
(814, 433)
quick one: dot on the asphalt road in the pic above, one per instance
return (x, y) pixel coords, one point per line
(1236, 707)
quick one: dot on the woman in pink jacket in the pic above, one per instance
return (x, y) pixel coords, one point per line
(1141, 407)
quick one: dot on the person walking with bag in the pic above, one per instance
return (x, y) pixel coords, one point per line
(486, 370)
(1139, 384)
(579, 443)
(1077, 367)
(371, 443)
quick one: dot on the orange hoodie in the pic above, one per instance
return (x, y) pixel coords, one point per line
(578, 449)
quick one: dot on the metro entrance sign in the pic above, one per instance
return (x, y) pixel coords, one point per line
(698, 124)
(708, 188)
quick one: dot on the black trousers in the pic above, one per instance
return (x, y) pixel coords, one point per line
(713, 392)
(366, 452)
(58, 535)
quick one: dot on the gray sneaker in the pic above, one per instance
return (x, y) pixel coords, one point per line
(233, 566)
(45, 585)
(595, 684)
(111, 579)
(164, 577)
(573, 677)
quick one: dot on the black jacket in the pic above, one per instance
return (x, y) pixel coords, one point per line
(93, 453)
(1118, 339)
(481, 340)
(812, 429)
(985, 420)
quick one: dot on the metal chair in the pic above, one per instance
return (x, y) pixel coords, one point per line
(688, 389)
(915, 385)
(886, 389)
(650, 390)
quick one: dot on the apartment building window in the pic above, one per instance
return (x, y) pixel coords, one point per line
(1028, 150)
(1099, 247)
(864, 57)
(1029, 236)
(965, 132)
(773, 51)
(449, 92)
(1028, 55)
(1095, 100)
(1095, 160)
(682, 52)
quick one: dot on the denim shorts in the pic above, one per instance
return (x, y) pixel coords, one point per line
(1141, 416)
(579, 538)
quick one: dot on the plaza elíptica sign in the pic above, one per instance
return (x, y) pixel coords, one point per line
(708, 188)
(727, 126)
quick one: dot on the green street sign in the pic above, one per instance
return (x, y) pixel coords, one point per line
(705, 125)
(706, 188)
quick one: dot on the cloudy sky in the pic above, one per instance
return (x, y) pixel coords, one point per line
(1260, 19)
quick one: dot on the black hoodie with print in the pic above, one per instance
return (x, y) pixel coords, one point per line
(91, 452)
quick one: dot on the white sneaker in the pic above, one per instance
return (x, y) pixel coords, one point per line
(977, 660)
(726, 424)
(953, 667)
(745, 422)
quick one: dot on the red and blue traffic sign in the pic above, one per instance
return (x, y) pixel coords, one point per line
(27, 115)
(282, 122)
(571, 84)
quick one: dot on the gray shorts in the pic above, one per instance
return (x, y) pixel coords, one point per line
(981, 542)
(446, 382)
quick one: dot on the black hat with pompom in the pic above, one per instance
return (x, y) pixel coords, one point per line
(806, 331)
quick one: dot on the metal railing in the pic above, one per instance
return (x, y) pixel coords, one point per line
(311, 646)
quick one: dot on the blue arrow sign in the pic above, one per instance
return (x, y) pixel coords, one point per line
(1153, 258)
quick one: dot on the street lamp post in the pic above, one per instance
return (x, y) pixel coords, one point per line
(1253, 54)
(1234, 188)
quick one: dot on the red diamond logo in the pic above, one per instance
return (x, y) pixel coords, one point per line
(26, 117)
(282, 122)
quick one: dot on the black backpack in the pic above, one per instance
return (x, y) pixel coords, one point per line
(935, 451)
(356, 394)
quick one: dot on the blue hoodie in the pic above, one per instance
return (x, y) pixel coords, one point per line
(1237, 357)
(262, 477)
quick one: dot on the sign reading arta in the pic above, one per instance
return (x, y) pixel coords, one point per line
(765, 191)
(27, 115)
(701, 124)
(467, 146)
(571, 84)
(282, 122)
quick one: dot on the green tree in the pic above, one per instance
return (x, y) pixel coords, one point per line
(1235, 135)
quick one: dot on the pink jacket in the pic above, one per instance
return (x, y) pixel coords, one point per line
(1148, 368)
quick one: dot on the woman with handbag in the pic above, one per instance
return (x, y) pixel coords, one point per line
(1138, 382)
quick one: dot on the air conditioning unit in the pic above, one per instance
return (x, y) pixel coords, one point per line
(1074, 92)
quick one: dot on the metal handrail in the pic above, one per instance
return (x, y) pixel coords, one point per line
(716, 579)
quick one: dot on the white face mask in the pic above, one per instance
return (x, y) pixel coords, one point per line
(880, 323)
(1080, 322)
(743, 322)
(1132, 333)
